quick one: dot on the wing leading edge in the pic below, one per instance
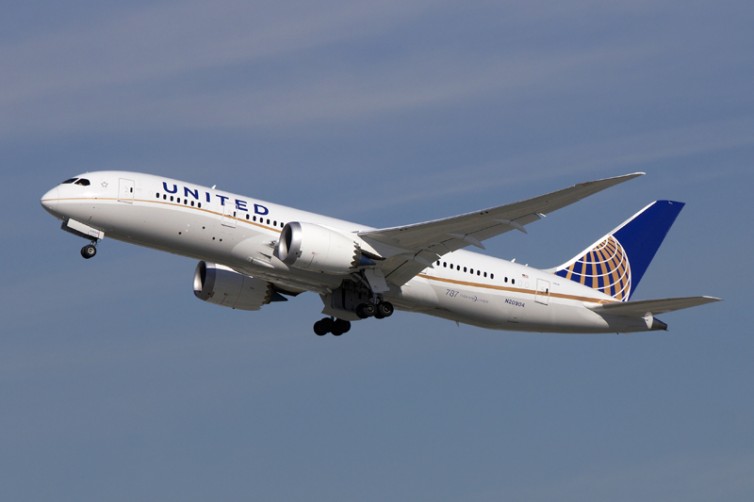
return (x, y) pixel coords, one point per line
(412, 248)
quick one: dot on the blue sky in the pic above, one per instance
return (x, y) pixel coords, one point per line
(117, 384)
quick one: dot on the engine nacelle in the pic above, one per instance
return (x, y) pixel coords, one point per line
(307, 246)
(224, 286)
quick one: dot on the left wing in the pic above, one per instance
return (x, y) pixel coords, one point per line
(412, 248)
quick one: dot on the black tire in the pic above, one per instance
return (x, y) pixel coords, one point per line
(365, 310)
(384, 309)
(340, 327)
(323, 326)
(88, 251)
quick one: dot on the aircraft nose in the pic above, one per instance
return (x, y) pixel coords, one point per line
(49, 199)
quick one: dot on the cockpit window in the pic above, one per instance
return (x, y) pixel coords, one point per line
(77, 181)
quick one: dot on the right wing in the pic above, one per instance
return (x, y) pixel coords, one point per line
(412, 248)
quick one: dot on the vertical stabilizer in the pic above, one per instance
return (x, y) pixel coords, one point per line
(616, 263)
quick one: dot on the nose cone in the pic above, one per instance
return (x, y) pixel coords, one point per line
(50, 200)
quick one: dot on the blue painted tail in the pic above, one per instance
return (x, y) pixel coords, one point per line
(616, 263)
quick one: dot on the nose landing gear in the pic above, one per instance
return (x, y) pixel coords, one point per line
(89, 251)
(93, 235)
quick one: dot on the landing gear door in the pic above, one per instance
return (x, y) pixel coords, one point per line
(543, 292)
(126, 191)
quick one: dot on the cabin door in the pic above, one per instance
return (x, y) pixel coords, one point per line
(543, 292)
(229, 216)
(126, 190)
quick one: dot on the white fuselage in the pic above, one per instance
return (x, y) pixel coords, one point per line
(241, 232)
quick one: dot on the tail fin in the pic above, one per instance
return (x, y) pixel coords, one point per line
(616, 263)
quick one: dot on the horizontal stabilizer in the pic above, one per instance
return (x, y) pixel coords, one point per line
(654, 307)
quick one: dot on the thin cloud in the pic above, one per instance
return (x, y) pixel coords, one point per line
(629, 153)
(705, 477)
(419, 80)
(143, 71)
(148, 44)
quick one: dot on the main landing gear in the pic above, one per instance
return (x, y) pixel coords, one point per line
(89, 250)
(329, 325)
(380, 310)
(337, 327)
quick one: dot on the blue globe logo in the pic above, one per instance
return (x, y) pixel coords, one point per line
(603, 267)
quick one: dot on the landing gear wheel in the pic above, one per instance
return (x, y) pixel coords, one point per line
(328, 325)
(89, 251)
(323, 327)
(384, 309)
(365, 310)
(340, 327)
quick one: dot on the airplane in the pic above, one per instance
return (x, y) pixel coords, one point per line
(252, 253)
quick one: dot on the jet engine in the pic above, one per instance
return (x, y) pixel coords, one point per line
(224, 286)
(307, 246)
